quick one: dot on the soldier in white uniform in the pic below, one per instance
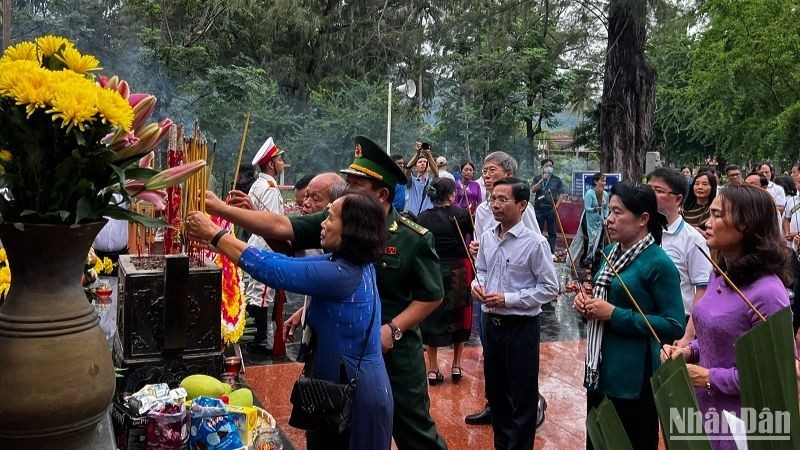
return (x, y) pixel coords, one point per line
(265, 196)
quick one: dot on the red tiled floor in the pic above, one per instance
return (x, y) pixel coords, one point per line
(560, 381)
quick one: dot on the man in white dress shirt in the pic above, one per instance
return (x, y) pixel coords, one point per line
(496, 166)
(680, 242)
(515, 277)
(765, 169)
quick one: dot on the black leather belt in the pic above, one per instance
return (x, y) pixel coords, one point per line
(502, 320)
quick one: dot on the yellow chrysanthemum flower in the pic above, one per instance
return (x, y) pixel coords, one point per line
(50, 45)
(5, 156)
(108, 265)
(98, 266)
(22, 51)
(74, 100)
(114, 109)
(77, 62)
(27, 84)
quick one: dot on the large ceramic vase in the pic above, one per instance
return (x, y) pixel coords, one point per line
(56, 373)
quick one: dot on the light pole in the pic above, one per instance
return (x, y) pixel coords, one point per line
(410, 89)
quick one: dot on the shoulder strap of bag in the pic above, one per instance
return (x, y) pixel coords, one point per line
(795, 208)
(369, 327)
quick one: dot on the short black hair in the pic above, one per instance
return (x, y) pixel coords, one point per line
(519, 189)
(674, 179)
(363, 228)
(730, 167)
(302, 183)
(771, 169)
(761, 178)
(397, 156)
(468, 163)
(547, 160)
(787, 183)
(686, 166)
(640, 199)
(247, 176)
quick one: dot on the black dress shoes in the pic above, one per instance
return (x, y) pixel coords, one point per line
(480, 418)
(540, 412)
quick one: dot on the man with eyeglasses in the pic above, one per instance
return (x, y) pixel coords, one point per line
(515, 277)
(734, 174)
(679, 240)
(496, 165)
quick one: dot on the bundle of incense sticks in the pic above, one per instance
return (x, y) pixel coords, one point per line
(172, 237)
(194, 198)
(145, 237)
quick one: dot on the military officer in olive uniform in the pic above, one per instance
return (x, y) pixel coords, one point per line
(409, 283)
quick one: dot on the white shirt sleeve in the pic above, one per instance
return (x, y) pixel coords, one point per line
(529, 219)
(480, 263)
(698, 266)
(780, 196)
(540, 263)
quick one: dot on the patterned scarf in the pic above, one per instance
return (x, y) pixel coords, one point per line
(594, 333)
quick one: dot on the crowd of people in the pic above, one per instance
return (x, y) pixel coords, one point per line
(411, 246)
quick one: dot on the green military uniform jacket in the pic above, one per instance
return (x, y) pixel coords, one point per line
(627, 342)
(408, 269)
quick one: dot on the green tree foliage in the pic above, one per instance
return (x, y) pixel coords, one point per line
(727, 82)
(492, 75)
(746, 73)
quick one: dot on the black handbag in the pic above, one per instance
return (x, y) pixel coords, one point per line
(324, 406)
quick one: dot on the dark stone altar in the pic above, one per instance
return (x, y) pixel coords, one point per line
(168, 317)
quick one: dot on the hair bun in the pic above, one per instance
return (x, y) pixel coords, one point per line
(430, 191)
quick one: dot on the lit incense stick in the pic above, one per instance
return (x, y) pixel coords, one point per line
(469, 255)
(241, 148)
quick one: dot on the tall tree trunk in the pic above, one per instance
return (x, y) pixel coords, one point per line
(626, 109)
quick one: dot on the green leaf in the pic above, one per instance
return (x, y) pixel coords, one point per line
(140, 173)
(119, 172)
(84, 209)
(605, 428)
(767, 379)
(126, 214)
(673, 392)
(79, 137)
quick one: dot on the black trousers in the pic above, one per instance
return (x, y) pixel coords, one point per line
(639, 417)
(511, 369)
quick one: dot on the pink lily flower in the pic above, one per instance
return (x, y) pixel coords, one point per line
(147, 160)
(134, 99)
(174, 175)
(120, 140)
(142, 111)
(136, 188)
(123, 89)
(149, 138)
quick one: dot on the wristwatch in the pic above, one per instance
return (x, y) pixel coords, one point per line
(397, 333)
